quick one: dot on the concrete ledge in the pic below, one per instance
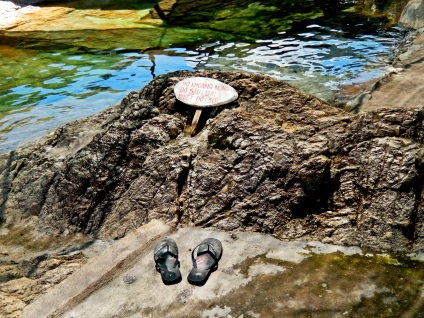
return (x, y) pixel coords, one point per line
(257, 276)
(97, 272)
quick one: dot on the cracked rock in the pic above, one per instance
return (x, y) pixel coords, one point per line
(275, 161)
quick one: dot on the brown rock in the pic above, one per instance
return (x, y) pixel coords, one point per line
(162, 9)
(21, 283)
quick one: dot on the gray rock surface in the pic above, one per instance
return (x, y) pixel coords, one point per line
(413, 14)
(275, 161)
(257, 276)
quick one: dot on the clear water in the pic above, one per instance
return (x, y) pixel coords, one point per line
(67, 86)
(316, 60)
(48, 83)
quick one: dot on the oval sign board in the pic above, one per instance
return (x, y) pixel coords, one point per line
(204, 92)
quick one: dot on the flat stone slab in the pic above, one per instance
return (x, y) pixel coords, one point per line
(98, 272)
(257, 276)
(204, 92)
(78, 15)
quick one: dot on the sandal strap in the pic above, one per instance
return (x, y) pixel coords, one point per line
(211, 251)
(168, 251)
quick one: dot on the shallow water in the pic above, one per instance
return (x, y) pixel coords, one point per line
(50, 78)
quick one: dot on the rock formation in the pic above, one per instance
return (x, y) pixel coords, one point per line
(413, 14)
(392, 9)
(275, 161)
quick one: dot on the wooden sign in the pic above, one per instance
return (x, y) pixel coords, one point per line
(204, 92)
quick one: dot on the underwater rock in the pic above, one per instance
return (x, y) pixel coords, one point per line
(408, 13)
(237, 16)
(275, 161)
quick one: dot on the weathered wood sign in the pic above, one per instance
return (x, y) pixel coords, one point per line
(202, 92)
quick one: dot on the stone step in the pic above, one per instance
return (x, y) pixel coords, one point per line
(97, 272)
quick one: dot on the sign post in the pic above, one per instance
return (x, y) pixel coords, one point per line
(196, 118)
(202, 92)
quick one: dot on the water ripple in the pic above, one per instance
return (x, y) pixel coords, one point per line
(41, 89)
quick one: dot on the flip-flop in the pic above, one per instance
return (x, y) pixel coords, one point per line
(206, 261)
(165, 255)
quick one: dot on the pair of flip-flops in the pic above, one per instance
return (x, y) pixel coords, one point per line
(204, 261)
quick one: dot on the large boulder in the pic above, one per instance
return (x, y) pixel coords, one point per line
(275, 161)
(413, 14)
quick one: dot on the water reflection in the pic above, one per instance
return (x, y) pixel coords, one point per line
(317, 61)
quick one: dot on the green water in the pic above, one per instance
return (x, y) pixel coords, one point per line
(50, 78)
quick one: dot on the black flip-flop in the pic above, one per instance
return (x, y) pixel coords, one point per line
(206, 261)
(166, 258)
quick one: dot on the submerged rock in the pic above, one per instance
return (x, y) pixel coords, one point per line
(275, 161)
(252, 19)
(408, 13)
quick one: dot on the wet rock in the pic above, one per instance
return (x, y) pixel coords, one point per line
(275, 161)
(21, 282)
(404, 88)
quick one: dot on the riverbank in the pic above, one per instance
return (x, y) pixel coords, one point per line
(400, 87)
(403, 86)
